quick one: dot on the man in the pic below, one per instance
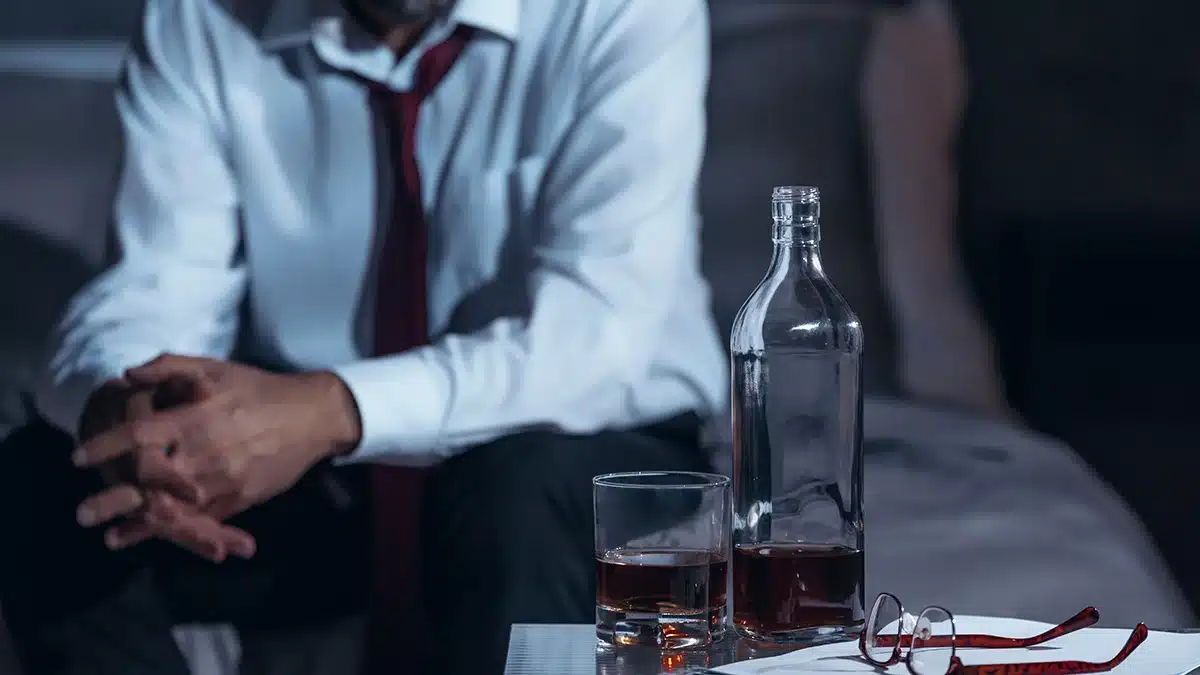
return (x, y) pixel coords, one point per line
(454, 235)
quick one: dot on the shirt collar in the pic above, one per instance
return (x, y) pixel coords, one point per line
(292, 22)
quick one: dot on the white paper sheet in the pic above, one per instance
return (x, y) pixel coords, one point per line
(1160, 654)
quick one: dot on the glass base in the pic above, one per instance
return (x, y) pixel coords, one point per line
(805, 637)
(661, 629)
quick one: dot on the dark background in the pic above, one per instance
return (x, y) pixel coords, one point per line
(1080, 161)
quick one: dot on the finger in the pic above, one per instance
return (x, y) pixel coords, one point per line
(160, 430)
(137, 404)
(112, 503)
(128, 534)
(175, 522)
(237, 541)
(104, 408)
(168, 366)
(156, 470)
(151, 468)
(209, 521)
(193, 530)
(192, 537)
(124, 440)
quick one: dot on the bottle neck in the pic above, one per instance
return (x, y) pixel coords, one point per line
(797, 231)
(797, 249)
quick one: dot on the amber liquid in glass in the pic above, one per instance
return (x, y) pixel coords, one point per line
(664, 598)
(782, 590)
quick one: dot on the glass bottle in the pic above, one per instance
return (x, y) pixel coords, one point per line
(797, 444)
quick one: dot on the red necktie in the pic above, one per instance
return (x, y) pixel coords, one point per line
(396, 611)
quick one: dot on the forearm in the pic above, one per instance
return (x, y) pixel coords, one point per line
(425, 405)
(918, 243)
(914, 88)
(177, 283)
(124, 318)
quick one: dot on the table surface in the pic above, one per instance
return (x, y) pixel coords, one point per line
(558, 649)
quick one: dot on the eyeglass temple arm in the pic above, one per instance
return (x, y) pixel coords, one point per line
(1055, 667)
(1083, 619)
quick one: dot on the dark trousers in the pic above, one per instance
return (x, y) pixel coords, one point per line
(507, 539)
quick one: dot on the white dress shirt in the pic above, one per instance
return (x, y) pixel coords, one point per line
(559, 163)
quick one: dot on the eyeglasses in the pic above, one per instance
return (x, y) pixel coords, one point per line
(928, 645)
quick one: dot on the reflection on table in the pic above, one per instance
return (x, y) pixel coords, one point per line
(557, 649)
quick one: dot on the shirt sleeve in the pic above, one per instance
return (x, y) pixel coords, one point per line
(620, 219)
(176, 284)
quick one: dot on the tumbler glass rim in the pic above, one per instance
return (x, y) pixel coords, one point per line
(629, 480)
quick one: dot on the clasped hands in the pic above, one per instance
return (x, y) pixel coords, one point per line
(185, 443)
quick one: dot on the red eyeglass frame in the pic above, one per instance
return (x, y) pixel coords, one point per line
(1083, 619)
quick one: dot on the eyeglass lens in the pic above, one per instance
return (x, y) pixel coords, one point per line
(883, 630)
(932, 643)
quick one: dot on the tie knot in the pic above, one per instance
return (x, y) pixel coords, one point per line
(437, 62)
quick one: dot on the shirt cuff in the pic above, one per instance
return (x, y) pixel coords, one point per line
(402, 404)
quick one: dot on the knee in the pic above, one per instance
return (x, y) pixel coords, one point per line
(40, 490)
(506, 490)
(36, 436)
(506, 525)
(35, 460)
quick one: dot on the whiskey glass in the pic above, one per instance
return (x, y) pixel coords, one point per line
(662, 542)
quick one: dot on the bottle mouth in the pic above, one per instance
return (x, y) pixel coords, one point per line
(796, 194)
(796, 205)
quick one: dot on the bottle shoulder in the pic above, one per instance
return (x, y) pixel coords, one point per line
(804, 314)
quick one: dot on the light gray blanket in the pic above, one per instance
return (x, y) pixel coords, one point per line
(985, 517)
